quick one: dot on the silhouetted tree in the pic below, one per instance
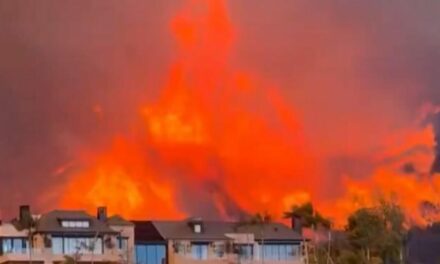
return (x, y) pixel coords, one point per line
(378, 231)
(309, 216)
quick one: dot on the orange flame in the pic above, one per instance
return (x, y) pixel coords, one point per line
(216, 124)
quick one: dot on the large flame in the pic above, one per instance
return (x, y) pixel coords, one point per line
(220, 139)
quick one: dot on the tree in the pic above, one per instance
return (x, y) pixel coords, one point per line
(27, 223)
(378, 231)
(393, 238)
(69, 260)
(91, 247)
(349, 257)
(365, 228)
(309, 216)
(31, 232)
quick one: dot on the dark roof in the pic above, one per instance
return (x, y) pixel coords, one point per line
(145, 231)
(212, 230)
(50, 223)
(182, 230)
(117, 220)
(272, 231)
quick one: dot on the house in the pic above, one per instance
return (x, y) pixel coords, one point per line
(61, 234)
(194, 240)
(14, 244)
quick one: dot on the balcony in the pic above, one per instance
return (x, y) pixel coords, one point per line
(22, 255)
(46, 255)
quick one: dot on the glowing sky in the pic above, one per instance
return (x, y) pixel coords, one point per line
(152, 107)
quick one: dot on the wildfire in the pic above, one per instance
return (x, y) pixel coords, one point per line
(219, 136)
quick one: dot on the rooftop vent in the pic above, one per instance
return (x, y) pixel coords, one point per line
(196, 225)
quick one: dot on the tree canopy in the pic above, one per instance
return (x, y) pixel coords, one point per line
(378, 231)
(308, 215)
(372, 235)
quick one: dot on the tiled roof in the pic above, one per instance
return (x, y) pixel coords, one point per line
(271, 231)
(182, 230)
(215, 230)
(50, 223)
(118, 220)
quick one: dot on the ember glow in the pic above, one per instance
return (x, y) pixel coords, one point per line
(221, 141)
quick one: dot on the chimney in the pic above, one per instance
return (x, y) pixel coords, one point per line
(297, 224)
(102, 213)
(25, 212)
(25, 217)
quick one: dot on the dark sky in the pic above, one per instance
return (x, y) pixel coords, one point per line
(72, 73)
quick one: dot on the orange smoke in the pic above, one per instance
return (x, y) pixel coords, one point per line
(224, 137)
(389, 180)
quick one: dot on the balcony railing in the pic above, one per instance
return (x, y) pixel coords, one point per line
(23, 251)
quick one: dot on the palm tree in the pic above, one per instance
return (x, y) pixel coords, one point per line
(310, 218)
(28, 223)
(308, 215)
(31, 232)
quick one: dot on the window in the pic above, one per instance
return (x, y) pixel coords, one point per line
(292, 252)
(15, 245)
(199, 251)
(7, 245)
(197, 228)
(73, 245)
(179, 247)
(57, 245)
(280, 251)
(98, 245)
(123, 243)
(245, 252)
(75, 223)
(150, 254)
(219, 249)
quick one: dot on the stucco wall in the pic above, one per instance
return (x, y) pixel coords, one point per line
(41, 253)
(228, 258)
(8, 230)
